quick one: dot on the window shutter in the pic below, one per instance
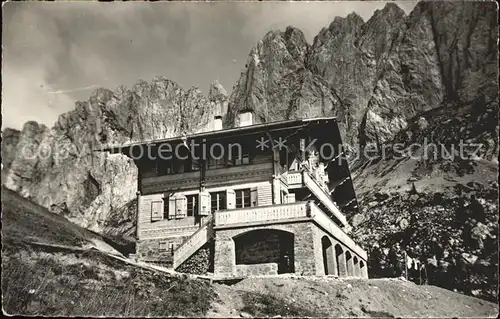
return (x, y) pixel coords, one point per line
(181, 207)
(171, 207)
(205, 201)
(230, 199)
(163, 246)
(156, 210)
(253, 197)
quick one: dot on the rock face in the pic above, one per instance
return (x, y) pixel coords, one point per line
(374, 75)
(277, 84)
(59, 167)
(439, 198)
(10, 138)
(427, 76)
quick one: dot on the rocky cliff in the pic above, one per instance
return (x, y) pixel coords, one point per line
(395, 78)
(60, 168)
(374, 75)
(10, 138)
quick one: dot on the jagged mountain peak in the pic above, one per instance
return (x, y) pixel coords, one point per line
(291, 42)
(391, 9)
(391, 13)
(289, 33)
(216, 91)
(351, 22)
(294, 34)
(58, 179)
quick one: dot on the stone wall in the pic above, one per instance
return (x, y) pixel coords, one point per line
(158, 250)
(257, 269)
(303, 247)
(350, 269)
(252, 250)
(201, 262)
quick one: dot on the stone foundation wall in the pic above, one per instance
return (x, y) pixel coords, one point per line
(257, 269)
(303, 247)
(201, 262)
(265, 250)
(158, 250)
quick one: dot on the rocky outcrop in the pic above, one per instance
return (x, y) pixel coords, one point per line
(276, 83)
(10, 138)
(61, 168)
(374, 76)
(436, 186)
(218, 98)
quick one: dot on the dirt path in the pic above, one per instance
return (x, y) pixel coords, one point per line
(229, 302)
(344, 298)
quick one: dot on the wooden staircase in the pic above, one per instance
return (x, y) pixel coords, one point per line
(193, 243)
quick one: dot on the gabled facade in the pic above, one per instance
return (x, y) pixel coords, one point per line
(257, 199)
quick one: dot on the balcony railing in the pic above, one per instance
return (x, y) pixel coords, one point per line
(261, 213)
(324, 197)
(294, 178)
(264, 214)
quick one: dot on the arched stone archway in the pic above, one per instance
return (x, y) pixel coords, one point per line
(328, 256)
(341, 262)
(349, 263)
(265, 246)
(363, 270)
(356, 267)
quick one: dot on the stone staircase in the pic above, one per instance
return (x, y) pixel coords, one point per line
(193, 243)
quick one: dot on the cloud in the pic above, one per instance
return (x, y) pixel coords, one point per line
(68, 47)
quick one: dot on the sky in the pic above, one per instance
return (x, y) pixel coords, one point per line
(57, 53)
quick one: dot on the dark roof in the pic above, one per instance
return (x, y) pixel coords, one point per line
(270, 126)
(345, 193)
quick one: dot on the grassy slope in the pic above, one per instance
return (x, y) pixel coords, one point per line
(44, 281)
(23, 220)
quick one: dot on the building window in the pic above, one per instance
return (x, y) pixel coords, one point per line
(163, 246)
(243, 160)
(218, 201)
(243, 157)
(165, 167)
(242, 198)
(283, 197)
(192, 166)
(192, 207)
(213, 163)
(216, 157)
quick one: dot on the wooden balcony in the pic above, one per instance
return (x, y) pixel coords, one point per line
(304, 179)
(322, 195)
(262, 214)
(294, 179)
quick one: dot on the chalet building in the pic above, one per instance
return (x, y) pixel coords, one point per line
(252, 200)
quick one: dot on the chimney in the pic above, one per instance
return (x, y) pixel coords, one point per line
(217, 122)
(246, 119)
